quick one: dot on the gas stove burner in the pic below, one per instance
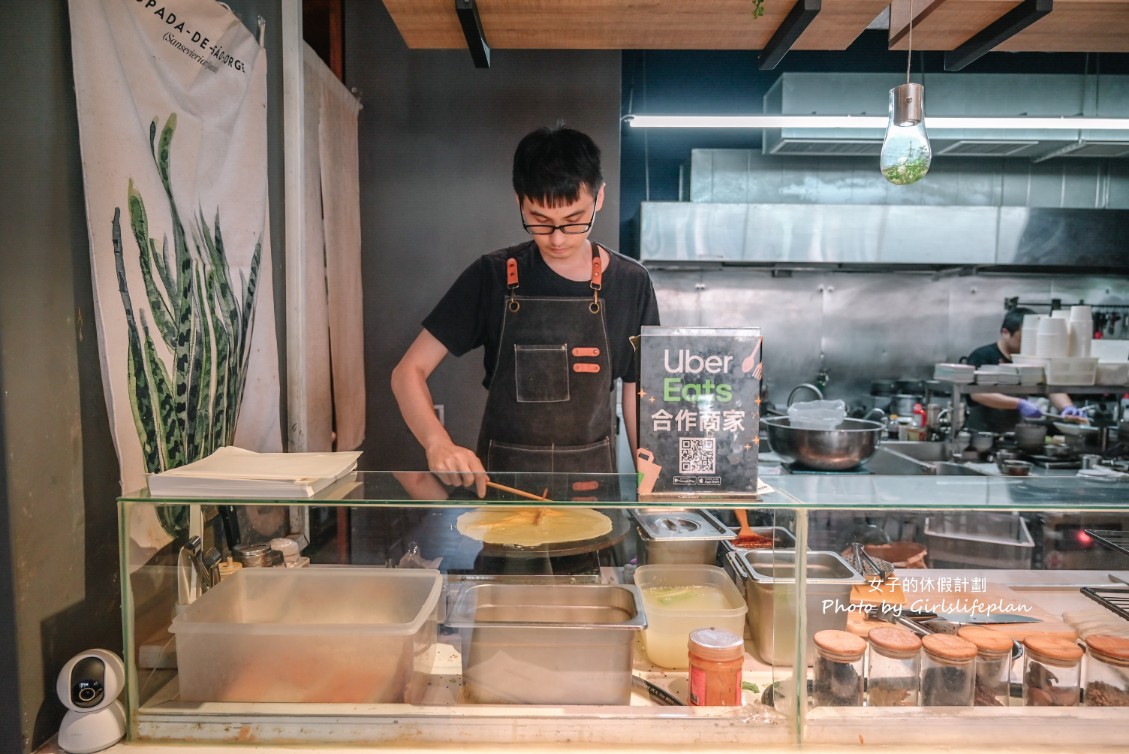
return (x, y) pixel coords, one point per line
(797, 468)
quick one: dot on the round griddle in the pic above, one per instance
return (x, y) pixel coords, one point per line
(620, 527)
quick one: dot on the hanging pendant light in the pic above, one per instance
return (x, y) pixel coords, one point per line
(906, 153)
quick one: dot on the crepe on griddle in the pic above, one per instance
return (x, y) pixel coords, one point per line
(531, 527)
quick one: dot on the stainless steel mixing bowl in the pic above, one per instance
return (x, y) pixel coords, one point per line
(844, 447)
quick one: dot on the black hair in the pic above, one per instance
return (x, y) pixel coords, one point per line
(552, 165)
(1013, 320)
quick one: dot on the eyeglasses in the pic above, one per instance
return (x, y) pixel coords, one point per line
(569, 228)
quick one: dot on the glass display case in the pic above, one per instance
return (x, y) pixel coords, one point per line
(394, 608)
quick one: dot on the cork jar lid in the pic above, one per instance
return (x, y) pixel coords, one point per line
(892, 641)
(1054, 649)
(1109, 648)
(987, 640)
(842, 646)
(949, 648)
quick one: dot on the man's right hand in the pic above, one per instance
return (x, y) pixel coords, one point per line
(1029, 410)
(457, 466)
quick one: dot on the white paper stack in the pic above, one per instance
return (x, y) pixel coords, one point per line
(238, 473)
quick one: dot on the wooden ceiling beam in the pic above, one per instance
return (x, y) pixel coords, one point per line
(1007, 26)
(795, 23)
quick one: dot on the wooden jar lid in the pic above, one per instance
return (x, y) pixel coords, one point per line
(892, 641)
(1109, 648)
(987, 640)
(949, 647)
(1054, 649)
(841, 646)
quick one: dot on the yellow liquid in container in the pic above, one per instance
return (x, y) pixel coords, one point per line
(674, 611)
(690, 598)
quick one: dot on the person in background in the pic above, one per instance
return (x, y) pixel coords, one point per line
(996, 412)
(554, 316)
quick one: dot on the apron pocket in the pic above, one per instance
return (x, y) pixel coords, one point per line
(541, 374)
(594, 458)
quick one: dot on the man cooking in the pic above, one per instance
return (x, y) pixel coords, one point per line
(996, 412)
(554, 316)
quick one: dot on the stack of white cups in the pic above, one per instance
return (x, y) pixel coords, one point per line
(1081, 331)
(1029, 342)
(1053, 341)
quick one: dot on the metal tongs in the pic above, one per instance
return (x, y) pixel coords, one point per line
(867, 565)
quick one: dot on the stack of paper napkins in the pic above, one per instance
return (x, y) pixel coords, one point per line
(238, 473)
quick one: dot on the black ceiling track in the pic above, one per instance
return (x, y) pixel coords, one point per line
(798, 19)
(467, 11)
(999, 31)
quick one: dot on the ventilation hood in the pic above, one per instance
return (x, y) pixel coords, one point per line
(953, 95)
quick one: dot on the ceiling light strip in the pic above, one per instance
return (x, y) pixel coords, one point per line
(1026, 123)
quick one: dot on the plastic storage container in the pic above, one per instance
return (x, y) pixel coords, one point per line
(978, 540)
(353, 634)
(1107, 671)
(1071, 371)
(893, 667)
(993, 665)
(948, 671)
(837, 670)
(1052, 670)
(681, 598)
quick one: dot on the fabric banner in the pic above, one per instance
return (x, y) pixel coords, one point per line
(334, 329)
(172, 122)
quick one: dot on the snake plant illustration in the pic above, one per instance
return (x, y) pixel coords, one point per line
(185, 409)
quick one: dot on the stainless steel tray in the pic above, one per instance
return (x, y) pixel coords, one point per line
(681, 524)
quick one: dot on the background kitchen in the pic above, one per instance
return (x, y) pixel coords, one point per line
(436, 137)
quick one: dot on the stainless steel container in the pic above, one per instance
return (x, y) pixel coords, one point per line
(554, 644)
(844, 447)
(678, 536)
(782, 539)
(769, 578)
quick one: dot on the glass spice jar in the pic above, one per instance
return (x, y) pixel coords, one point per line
(993, 665)
(893, 667)
(837, 669)
(948, 671)
(1107, 671)
(716, 659)
(1052, 672)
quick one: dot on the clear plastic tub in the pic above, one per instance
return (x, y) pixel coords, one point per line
(678, 599)
(354, 634)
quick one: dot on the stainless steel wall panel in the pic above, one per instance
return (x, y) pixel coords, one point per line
(936, 235)
(862, 327)
(876, 327)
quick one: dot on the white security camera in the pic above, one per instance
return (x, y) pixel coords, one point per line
(89, 685)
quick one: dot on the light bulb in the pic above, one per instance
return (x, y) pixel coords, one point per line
(905, 149)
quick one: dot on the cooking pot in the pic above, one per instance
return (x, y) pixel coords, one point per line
(844, 447)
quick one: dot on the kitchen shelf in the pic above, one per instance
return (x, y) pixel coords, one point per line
(1034, 389)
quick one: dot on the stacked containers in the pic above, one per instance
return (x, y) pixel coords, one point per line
(1029, 342)
(1107, 671)
(1053, 341)
(993, 665)
(1051, 672)
(893, 667)
(948, 671)
(1080, 331)
(837, 670)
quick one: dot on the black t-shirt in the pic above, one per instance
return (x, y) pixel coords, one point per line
(470, 314)
(984, 417)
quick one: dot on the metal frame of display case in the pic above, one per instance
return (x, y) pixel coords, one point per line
(160, 716)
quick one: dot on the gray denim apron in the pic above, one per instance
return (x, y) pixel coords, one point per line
(549, 402)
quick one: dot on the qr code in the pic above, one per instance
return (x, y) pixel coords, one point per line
(697, 455)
